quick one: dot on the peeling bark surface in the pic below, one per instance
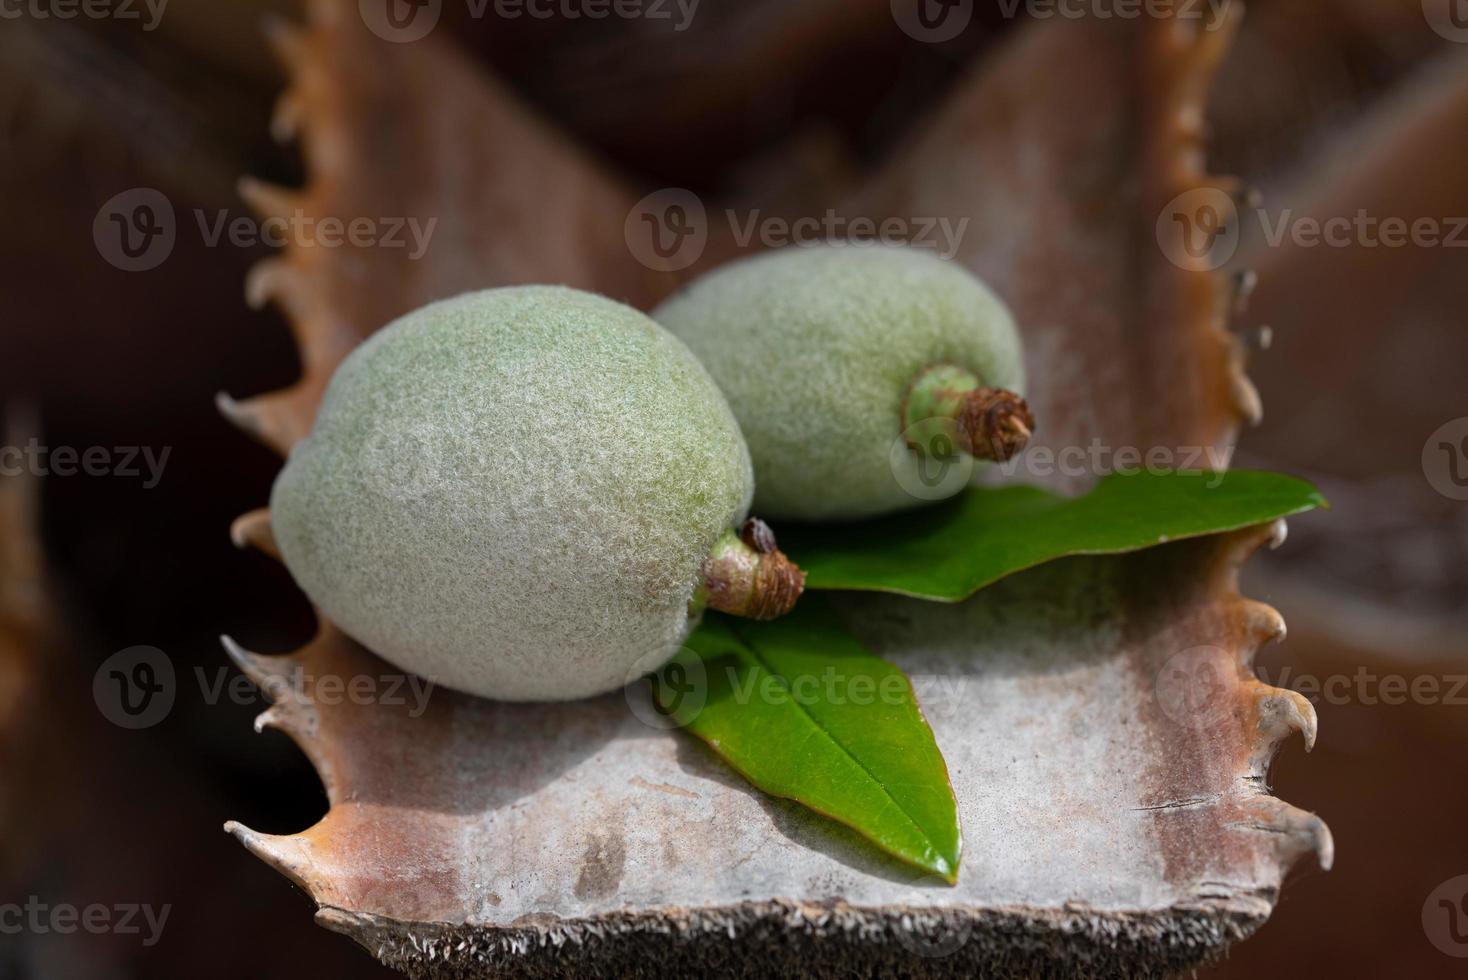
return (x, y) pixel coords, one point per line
(1107, 741)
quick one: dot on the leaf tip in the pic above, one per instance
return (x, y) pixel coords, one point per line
(947, 868)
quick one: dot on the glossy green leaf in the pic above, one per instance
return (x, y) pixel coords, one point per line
(803, 711)
(951, 550)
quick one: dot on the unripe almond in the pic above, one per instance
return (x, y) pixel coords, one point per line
(516, 493)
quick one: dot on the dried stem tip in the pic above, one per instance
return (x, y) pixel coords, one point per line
(947, 404)
(747, 575)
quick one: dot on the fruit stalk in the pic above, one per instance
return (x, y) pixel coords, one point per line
(947, 402)
(747, 575)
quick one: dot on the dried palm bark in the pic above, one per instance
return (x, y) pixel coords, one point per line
(26, 637)
(1303, 68)
(1380, 320)
(1331, 109)
(1108, 743)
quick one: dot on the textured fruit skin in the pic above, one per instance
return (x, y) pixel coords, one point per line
(815, 347)
(512, 492)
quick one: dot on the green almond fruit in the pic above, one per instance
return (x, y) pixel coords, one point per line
(851, 368)
(526, 493)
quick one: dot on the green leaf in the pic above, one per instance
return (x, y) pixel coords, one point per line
(951, 550)
(803, 711)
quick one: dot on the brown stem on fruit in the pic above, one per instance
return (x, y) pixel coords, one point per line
(747, 575)
(757, 534)
(947, 404)
(996, 423)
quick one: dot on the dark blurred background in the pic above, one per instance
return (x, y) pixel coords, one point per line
(1325, 108)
